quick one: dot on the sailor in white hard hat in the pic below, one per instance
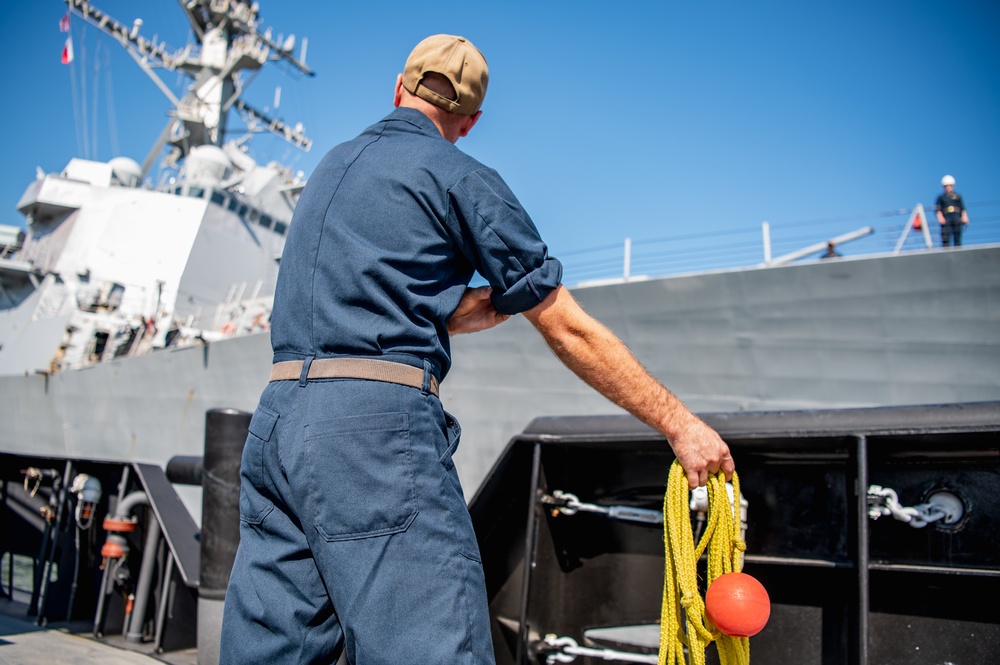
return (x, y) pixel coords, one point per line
(951, 213)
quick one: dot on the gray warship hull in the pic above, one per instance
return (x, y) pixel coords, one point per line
(910, 329)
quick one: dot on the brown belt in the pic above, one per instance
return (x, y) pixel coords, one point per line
(354, 368)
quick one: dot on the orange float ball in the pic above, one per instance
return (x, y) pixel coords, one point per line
(737, 604)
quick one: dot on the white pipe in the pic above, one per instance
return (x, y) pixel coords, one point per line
(628, 258)
(811, 249)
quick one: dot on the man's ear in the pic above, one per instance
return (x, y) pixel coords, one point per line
(471, 121)
(397, 97)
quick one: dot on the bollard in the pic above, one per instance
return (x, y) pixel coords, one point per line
(225, 434)
(185, 470)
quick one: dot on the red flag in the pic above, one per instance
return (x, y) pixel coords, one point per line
(64, 23)
(917, 223)
(67, 53)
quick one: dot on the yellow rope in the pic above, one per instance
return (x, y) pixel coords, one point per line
(682, 599)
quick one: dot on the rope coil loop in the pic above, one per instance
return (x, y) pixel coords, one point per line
(683, 622)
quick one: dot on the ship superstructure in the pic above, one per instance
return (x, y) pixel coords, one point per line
(113, 264)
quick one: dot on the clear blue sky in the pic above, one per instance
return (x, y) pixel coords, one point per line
(652, 120)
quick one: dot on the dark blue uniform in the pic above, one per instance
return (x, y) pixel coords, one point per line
(950, 205)
(385, 240)
(355, 530)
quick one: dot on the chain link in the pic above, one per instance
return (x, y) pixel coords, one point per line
(884, 501)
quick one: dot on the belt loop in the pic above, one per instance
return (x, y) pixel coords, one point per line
(304, 376)
(428, 375)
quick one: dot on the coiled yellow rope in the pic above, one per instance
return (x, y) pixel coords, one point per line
(682, 599)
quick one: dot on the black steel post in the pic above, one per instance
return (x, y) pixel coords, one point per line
(530, 554)
(225, 434)
(863, 557)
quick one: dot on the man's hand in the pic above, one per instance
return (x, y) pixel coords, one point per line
(701, 451)
(475, 312)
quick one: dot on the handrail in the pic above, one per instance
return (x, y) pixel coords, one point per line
(635, 259)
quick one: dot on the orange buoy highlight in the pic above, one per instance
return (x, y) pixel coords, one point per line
(737, 604)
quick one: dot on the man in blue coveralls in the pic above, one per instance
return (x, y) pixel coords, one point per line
(951, 213)
(355, 534)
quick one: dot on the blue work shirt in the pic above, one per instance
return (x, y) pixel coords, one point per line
(951, 206)
(387, 235)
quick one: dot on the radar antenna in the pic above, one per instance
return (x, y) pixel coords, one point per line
(229, 41)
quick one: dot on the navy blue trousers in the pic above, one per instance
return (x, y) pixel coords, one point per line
(354, 533)
(952, 230)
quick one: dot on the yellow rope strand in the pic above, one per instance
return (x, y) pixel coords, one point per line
(680, 580)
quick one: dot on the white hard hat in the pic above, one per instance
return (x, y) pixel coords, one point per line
(947, 180)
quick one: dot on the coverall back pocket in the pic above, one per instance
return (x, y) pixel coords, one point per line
(361, 480)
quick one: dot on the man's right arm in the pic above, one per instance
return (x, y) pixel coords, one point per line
(602, 360)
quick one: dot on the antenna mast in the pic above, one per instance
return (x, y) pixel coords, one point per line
(229, 42)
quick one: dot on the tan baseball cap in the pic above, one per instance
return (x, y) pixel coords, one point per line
(459, 61)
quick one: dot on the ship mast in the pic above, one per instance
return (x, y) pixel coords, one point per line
(229, 41)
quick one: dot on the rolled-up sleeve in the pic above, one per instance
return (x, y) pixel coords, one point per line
(502, 243)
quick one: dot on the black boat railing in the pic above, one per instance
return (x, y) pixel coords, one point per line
(849, 582)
